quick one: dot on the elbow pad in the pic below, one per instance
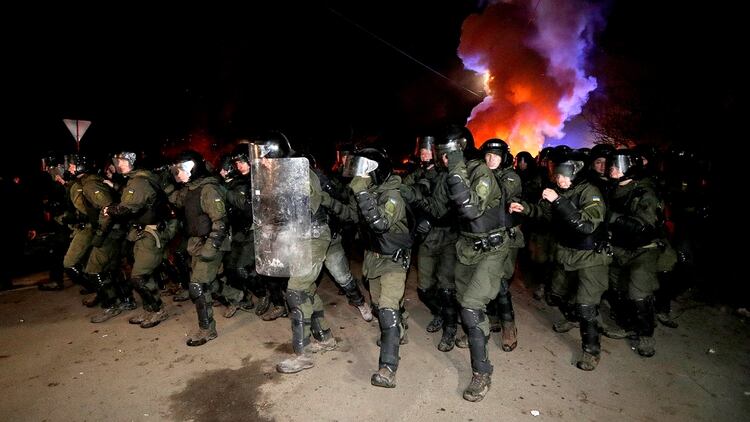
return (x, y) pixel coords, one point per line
(572, 216)
(458, 191)
(369, 209)
(218, 233)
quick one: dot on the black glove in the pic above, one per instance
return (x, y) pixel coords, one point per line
(424, 226)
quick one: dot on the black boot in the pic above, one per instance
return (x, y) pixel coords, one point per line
(449, 308)
(509, 335)
(589, 337)
(390, 321)
(204, 308)
(663, 299)
(644, 316)
(480, 362)
(429, 298)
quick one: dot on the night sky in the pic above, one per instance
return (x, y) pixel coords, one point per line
(144, 76)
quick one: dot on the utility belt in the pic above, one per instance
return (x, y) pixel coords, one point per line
(316, 230)
(604, 247)
(488, 243)
(401, 255)
(152, 229)
(512, 233)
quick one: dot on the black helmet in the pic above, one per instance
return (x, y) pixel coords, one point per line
(190, 162)
(525, 157)
(453, 138)
(541, 159)
(601, 151)
(427, 143)
(498, 147)
(629, 162)
(241, 152)
(424, 142)
(273, 145)
(372, 161)
(226, 166)
(566, 162)
(647, 152)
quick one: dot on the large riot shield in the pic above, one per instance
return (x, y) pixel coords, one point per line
(281, 216)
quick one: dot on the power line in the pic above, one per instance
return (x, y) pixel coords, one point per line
(414, 59)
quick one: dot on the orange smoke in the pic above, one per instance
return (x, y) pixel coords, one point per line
(530, 55)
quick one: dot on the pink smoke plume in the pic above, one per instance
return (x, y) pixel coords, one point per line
(532, 55)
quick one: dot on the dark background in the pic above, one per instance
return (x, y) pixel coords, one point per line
(146, 75)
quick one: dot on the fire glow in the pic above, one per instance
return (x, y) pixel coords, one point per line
(530, 54)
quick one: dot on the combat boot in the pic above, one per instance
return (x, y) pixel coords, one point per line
(385, 377)
(154, 318)
(231, 310)
(181, 296)
(202, 336)
(108, 314)
(247, 305)
(366, 312)
(435, 325)
(588, 361)
(462, 342)
(138, 319)
(448, 340)
(317, 346)
(264, 304)
(275, 313)
(509, 336)
(645, 346)
(478, 387)
(666, 320)
(295, 364)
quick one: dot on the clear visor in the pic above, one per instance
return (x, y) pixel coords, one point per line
(567, 168)
(185, 166)
(450, 146)
(258, 151)
(622, 162)
(358, 166)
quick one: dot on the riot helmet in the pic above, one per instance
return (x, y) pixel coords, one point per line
(226, 167)
(624, 164)
(372, 162)
(524, 161)
(423, 151)
(188, 166)
(500, 148)
(273, 145)
(453, 138)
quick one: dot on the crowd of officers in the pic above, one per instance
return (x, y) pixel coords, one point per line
(590, 225)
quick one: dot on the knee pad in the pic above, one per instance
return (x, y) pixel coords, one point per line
(586, 312)
(295, 298)
(196, 290)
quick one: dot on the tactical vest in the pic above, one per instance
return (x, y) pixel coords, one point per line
(568, 236)
(152, 213)
(198, 222)
(240, 219)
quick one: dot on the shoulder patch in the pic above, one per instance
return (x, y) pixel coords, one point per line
(483, 188)
(596, 199)
(390, 206)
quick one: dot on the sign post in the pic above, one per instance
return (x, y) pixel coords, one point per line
(77, 128)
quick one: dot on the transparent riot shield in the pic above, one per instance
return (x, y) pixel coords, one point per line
(281, 216)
